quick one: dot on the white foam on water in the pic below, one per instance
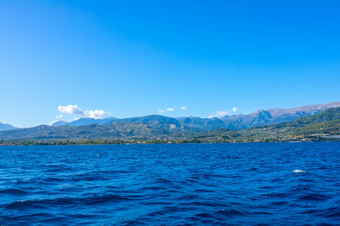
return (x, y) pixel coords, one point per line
(299, 171)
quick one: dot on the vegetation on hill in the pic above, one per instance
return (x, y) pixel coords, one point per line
(324, 126)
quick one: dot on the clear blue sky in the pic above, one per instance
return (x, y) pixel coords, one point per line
(131, 58)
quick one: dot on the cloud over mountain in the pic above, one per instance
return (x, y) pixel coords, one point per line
(219, 114)
(70, 110)
(77, 111)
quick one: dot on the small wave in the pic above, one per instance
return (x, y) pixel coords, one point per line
(201, 190)
(212, 204)
(56, 220)
(298, 171)
(159, 203)
(133, 222)
(187, 197)
(23, 204)
(13, 191)
(152, 188)
(332, 212)
(44, 203)
(204, 215)
(276, 194)
(315, 197)
(209, 222)
(230, 212)
(104, 199)
(163, 181)
(279, 203)
(23, 219)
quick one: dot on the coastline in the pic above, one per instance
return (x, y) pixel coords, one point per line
(146, 142)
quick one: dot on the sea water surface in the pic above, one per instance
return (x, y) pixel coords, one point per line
(172, 184)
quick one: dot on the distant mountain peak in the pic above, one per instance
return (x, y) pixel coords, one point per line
(59, 123)
(6, 127)
(275, 115)
(85, 121)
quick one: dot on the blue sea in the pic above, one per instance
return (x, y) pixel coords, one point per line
(171, 184)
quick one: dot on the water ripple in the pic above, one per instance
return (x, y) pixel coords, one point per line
(194, 184)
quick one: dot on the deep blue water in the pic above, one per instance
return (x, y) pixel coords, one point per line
(276, 184)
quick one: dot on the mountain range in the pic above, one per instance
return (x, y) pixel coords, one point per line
(324, 126)
(258, 118)
(275, 115)
(158, 127)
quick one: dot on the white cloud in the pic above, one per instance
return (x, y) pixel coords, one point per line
(53, 122)
(170, 109)
(218, 114)
(70, 110)
(59, 116)
(97, 114)
(77, 111)
(235, 109)
(183, 108)
(160, 110)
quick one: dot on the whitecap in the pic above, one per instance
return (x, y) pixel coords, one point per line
(299, 171)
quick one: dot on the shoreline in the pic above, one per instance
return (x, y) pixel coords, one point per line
(149, 142)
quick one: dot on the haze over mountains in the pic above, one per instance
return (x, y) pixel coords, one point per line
(6, 127)
(84, 121)
(157, 125)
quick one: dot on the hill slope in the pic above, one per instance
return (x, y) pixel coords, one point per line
(324, 124)
(6, 127)
(275, 115)
(308, 128)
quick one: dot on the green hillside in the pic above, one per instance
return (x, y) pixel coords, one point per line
(324, 126)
